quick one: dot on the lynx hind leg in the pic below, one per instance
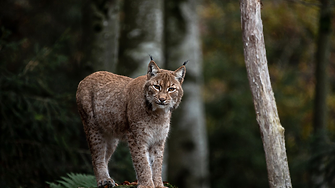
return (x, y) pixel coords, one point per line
(111, 146)
(96, 142)
(98, 146)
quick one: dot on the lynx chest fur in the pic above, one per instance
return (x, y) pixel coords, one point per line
(114, 107)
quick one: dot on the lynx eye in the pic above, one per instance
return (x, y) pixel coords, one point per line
(157, 87)
(171, 89)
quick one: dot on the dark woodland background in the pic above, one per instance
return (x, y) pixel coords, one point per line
(43, 45)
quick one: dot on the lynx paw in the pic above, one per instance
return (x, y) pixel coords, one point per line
(143, 186)
(106, 183)
(160, 185)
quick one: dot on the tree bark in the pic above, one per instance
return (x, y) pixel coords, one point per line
(188, 155)
(142, 34)
(321, 93)
(272, 132)
(321, 75)
(101, 34)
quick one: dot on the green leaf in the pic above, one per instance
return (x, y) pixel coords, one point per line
(74, 180)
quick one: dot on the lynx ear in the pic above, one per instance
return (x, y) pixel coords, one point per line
(180, 73)
(153, 69)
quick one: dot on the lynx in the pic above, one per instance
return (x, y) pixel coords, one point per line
(114, 107)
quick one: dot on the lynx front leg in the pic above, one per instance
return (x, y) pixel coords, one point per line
(140, 156)
(98, 147)
(156, 152)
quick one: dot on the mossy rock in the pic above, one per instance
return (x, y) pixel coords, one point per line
(135, 186)
(85, 181)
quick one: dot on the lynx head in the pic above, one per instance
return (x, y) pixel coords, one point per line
(163, 87)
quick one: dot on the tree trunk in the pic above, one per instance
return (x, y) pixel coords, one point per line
(101, 34)
(188, 155)
(321, 75)
(272, 132)
(321, 93)
(142, 34)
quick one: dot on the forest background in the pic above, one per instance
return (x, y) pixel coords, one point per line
(42, 60)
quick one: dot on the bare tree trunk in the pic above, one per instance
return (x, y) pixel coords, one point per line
(321, 92)
(272, 132)
(101, 34)
(142, 34)
(188, 159)
(321, 75)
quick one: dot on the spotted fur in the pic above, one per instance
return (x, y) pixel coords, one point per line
(114, 108)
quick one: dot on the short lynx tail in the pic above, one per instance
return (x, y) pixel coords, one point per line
(185, 62)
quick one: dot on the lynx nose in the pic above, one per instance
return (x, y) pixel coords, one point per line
(162, 100)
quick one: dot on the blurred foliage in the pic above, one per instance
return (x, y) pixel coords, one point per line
(41, 63)
(236, 152)
(40, 132)
(40, 67)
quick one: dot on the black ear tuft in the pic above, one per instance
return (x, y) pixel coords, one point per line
(151, 57)
(180, 74)
(153, 69)
(185, 62)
